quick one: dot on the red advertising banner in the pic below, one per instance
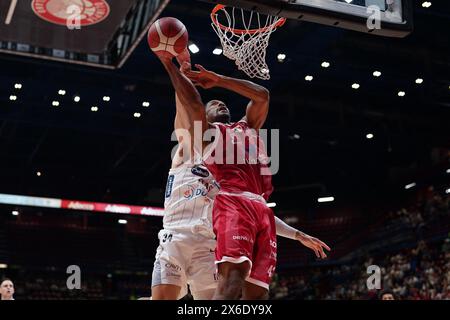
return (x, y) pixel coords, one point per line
(80, 205)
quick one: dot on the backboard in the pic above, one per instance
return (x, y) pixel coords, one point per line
(392, 18)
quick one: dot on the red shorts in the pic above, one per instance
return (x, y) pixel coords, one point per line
(245, 231)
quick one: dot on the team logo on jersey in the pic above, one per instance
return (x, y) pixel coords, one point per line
(189, 193)
(193, 191)
(64, 12)
(200, 171)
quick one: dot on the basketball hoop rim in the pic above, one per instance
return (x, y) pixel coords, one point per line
(280, 22)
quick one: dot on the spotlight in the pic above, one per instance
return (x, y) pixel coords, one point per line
(325, 199)
(281, 57)
(193, 48)
(411, 185)
(217, 51)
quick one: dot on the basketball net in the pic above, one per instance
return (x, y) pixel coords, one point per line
(244, 36)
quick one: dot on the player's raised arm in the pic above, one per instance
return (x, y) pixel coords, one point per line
(187, 94)
(182, 120)
(182, 126)
(259, 96)
(286, 231)
(167, 46)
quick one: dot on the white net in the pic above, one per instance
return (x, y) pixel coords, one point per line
(244, 36)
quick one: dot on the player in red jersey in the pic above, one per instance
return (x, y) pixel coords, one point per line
(244, 226)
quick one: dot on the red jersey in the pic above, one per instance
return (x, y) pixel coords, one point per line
(238, 161)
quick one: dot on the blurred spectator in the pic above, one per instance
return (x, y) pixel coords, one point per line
(7, 289)
(387, 295)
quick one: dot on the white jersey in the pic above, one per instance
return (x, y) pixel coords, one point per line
(189, 197)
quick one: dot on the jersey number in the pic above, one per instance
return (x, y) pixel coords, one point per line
(167, 237)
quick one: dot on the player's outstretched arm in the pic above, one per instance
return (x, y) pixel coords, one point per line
(187, 94)
(286, 231)
(259, 96)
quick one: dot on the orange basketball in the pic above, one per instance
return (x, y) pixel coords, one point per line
(168, 36)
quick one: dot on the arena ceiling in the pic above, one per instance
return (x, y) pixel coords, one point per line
(113, 155)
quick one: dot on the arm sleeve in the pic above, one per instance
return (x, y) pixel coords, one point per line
(284, 230)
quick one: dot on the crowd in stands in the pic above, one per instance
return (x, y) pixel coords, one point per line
(433, 208)
(421, 272)
(51, 288)
(94, 287)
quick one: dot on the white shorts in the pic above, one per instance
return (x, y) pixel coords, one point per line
(184, 258)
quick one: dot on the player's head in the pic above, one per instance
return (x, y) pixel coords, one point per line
(217, 111)
(6, 289)
(387, 295)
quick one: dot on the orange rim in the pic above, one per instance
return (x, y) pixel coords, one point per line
(218, 7)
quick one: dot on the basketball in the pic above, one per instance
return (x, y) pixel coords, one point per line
(168, 36)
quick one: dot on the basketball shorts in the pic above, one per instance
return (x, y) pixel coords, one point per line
(185, 259)
(245, 231)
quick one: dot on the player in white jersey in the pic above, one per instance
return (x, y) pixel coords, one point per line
(185, 255)
(189, 194)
